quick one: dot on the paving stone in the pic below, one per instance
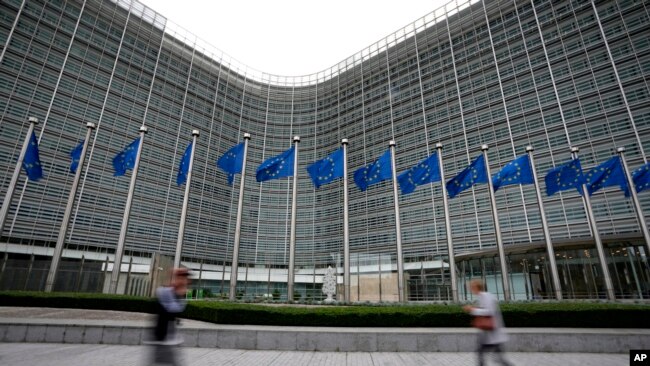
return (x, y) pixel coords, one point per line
(15, 333)
(93, 335)
(111, 335)
(73, 334)
(28, 354)
(131, 336)
(237, 339)
(279, 341)
(54, 333)
(207, 338)
(35, 333)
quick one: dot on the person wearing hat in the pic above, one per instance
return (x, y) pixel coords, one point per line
(171, 302)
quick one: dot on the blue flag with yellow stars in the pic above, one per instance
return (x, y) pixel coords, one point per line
(566, 176)
(232, 161)
(277, 167)
(125, 159)
(326, 170)
(641, 178)
(425, 172)
(607, 174)
(32, 160)
(375, 172)
(75, 155)
(474, 173)
(184, 167)
(515, 172)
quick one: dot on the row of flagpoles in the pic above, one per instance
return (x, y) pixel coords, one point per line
(613, 172)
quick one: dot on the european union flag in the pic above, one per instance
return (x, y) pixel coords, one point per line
(474, 173)
(424, 172)
(374, 173)
(125, 159)
(185, 165)
(75, 155)
(326, 170)
(32, 161)
(565, 177)
(232, 161)
(277, 167)
(641, 178)
(607, 174)
(515, 172)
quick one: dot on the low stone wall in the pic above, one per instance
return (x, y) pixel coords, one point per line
(329, 339)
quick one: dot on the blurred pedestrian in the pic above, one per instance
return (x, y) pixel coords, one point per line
(487, 317)
(171, 302)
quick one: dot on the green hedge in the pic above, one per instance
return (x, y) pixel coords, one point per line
(562, 314)
(78, 301)
(335, 316)
(552, 314)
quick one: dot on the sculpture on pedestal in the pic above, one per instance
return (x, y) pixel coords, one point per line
(329, 284)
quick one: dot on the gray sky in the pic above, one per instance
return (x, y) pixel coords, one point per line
(292, 37)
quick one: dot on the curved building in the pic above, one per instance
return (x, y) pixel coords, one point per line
(504, 73)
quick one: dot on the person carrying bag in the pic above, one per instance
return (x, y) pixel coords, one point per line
(487, 318)
(483, 322)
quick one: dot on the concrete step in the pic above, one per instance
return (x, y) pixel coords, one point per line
(328, 339)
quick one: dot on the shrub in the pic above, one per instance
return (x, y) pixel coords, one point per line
(549, 314)
(79, 301)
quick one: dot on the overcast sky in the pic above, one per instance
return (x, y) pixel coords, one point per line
(292, 37)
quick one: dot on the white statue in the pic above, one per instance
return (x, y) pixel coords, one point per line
(329, 284)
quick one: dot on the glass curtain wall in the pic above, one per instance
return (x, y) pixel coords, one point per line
(578, 267)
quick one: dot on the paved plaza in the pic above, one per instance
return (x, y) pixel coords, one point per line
(33, 354)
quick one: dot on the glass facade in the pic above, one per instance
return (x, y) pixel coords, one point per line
(503, 73)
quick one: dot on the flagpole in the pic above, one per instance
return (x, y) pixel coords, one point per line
(547, 235)
(609, 288)
(450, 242)
(635, 199)
(240, 207)
(292, 239)
(497, 228)
(181, 228)
(398, 228)
(56, 257)
(119, 251)
(4, 211)
(346, 224)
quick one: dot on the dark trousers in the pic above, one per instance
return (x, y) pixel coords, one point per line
(496, 348)
(163, 354)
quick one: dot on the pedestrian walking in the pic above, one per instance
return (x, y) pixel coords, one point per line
(171, 303)
(487, 317)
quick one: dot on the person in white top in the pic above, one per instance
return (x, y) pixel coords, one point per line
(488, 339)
